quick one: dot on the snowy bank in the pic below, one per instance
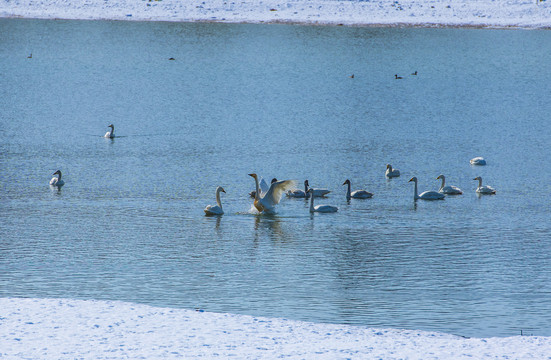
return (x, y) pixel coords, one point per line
(69, 329)
(479, 13)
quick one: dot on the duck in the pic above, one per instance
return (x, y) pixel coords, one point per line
(414, 73)
(479, 160)
(297, 193)
(110, 134)
(216, 209)
(266, 202)
(320, 208)
(357, 194)
(487, 190)
(426, 195)
(397, 77)
(448, 190)
(315, 192)
(56, 181)
(390, 172)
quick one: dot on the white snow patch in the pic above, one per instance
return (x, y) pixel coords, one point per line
(71, 329)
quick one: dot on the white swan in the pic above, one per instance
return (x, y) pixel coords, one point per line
(357, 194)
(297, 193)
(448, 190)
(426, 195)
(484, 189)
(390, 172)
(56, 181)
(315, 192)
(263, 187)
(479, 160)
(266, 202)
(110, 134)
(321, 208)
(216, 209)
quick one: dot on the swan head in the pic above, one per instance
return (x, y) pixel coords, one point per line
(220, 189)
(254, 176)
(273, 180)
(58, 172)
(440, 177)
(414, 179)
(388, 166)
(306, 183)
(478, 178)
(346, 182)
(111, 126)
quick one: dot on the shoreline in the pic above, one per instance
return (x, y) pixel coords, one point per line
(482, 14)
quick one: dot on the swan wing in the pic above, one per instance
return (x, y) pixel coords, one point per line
(273, 195)
(213, 210)
(431, 195)
(263, 186)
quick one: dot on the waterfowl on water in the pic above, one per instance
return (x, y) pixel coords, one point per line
(110, 134)
(426, 195)
(479, 160)
(390, 172)
(266, 202)
(56, 181)
(216, 209)
(488, 190)
(320, 208)
(448, 190)
(357, 194)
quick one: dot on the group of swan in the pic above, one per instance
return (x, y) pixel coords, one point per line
(449, 190)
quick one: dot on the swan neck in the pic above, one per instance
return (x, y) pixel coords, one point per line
(312, 203)
(348, 192)
(443, 183)
(415, 192)
(479, 183)
(257, 195)
(218, 198)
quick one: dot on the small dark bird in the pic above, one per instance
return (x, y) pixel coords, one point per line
(351, 76)
(30, 56)
(171, 59)
(415, 73)
(397, 77)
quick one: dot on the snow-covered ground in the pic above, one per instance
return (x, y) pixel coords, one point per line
(490, 13)
(78, 329)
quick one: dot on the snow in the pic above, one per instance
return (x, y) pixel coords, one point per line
(89, 329)
(479, 13)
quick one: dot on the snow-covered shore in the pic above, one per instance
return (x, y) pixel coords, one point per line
(476, 13)
(70, 329)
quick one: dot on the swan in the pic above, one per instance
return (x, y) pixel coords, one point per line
(426, 195)
(390, 172)
(448, 190)
(358, 194)
(315, 192)
(479, 160)
(263, 187)
(297, 193)
(484, 189)
(266, 202)
(110, 134)
(56, 181)
(321, 208)
(216, 209)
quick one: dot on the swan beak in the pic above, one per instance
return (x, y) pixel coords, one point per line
(410, 180)
(346, 182)
(253, 175)
(224, 191)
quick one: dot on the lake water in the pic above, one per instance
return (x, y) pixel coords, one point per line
(278, 100)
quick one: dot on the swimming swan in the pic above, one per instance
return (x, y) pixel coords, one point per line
(448, 190)
(479, 160)
(216, 209)
(426, 195)
(358, 194)
(390, 172)
(266, 202)
(321, 208)
(110, 134)
(297, 193)
(56, 181)
(484, 189)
